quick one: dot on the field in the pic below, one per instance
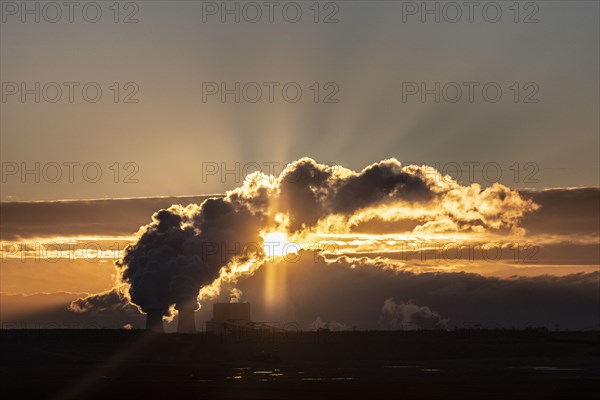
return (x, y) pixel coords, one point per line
(478, 364)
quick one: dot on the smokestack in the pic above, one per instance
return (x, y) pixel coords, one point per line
(186, 322)
(154, 321)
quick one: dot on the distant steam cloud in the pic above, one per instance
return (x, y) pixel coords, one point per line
(409, 316)
(186, 249)
(334, 326)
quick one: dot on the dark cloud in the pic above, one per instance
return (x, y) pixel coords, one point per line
(302, 194)
(376, 184)
(310, 191)
(82, 217)
(564, 211)
(103, 303)
(353, 294)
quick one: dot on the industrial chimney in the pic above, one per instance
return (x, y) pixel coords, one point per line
(186, 322)
(154, 321)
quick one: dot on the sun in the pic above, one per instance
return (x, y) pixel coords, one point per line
(277, 244)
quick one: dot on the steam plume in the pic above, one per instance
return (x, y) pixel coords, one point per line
(409, 316)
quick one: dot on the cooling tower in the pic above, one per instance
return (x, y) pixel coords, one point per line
(186, 322)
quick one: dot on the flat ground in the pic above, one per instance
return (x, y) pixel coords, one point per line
(107, 364)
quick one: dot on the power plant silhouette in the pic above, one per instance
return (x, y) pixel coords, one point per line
(226, 317)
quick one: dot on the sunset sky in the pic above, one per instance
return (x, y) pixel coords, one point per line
(502, 229)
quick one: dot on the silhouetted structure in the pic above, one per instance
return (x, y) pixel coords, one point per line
(186, 322)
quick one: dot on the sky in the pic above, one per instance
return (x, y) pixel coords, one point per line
(369, 56)
(110, 114)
